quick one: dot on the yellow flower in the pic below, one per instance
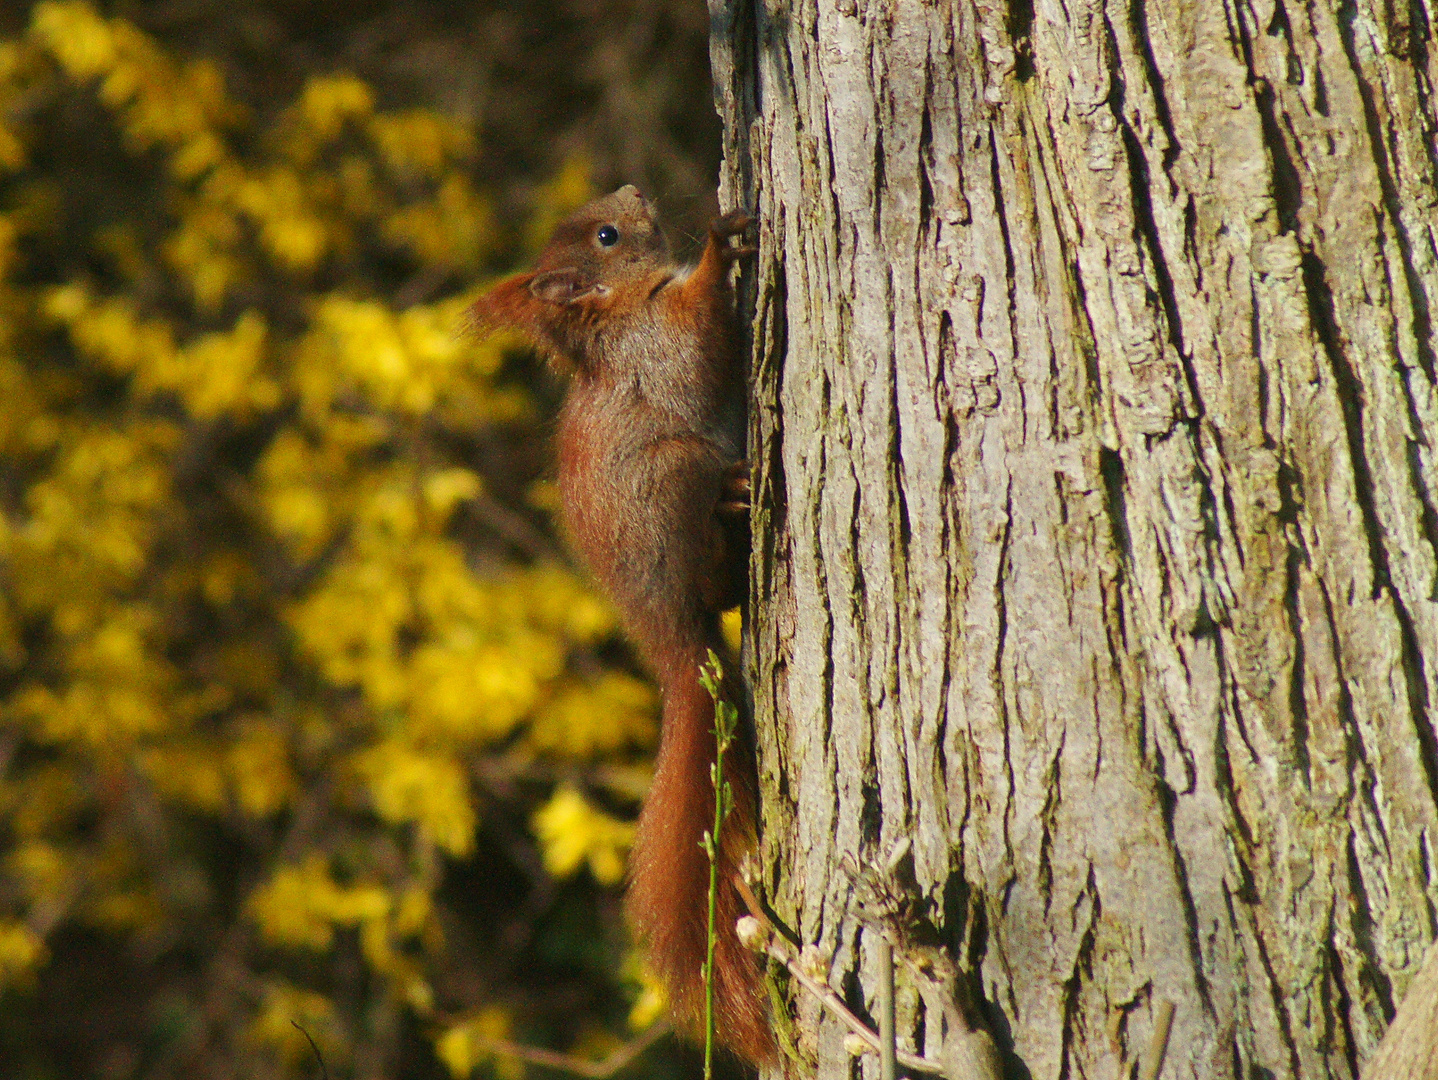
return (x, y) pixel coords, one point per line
(446, 488)
(329, 100)
(258, 764)
(21, 952)
(419, 140)
(80, 39)
(593, 719)
(429, 790)
(301, 904)
(650, 1002)
(191, 775)
(466, 1045)
(572, 833)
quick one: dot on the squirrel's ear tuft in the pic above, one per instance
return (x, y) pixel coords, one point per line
(562, 286)
(504, 305)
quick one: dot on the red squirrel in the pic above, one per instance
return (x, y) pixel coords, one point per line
(650, 452)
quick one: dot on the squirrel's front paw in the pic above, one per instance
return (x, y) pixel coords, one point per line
(734, 223)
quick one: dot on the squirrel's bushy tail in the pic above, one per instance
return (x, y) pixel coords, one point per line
(668, 900)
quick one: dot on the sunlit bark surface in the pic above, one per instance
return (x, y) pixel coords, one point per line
(1093, 431)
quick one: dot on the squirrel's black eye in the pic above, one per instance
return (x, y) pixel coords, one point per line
(608, 235)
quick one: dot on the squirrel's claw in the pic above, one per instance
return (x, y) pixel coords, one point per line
(734, 490)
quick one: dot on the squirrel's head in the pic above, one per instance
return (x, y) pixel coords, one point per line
(606, 244)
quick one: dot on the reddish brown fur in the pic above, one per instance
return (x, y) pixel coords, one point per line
(652, 422)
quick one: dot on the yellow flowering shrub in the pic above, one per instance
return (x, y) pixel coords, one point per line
(304, 715)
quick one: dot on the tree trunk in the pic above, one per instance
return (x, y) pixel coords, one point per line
(1095, 524)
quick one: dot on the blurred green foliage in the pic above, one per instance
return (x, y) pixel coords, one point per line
(304, 715)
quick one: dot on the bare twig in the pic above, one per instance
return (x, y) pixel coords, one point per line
(1158, 1041)
(760, 911)
(570, 1063)
(888, 1038)
(887, 908)
(779, 950)
(324, 1070)
(835, 1005)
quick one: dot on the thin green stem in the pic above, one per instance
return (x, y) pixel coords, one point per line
(711, 676)
(713, 915)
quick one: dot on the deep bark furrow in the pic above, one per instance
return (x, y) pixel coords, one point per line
(1350, 393)
(1274, 993)
(1383, 136)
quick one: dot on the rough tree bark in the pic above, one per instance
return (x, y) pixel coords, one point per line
(1093, 429)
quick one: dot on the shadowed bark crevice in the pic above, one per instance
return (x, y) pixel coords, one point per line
(1423, 483)
(1416, 678)
(1168, 801)
(1287, 185)
(1339, 1014)
(1370, 974)
(1278, 1000)
(1297, 690)
(1350, 395)
(1020, 23)
(1072, 990)
(1393, 203)
(1001, 213)
(1111, 469)
(1245, 838)
(1279, 26)
(924, 157)
(1142, 38)
(1053, 788)
(1147, 237)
